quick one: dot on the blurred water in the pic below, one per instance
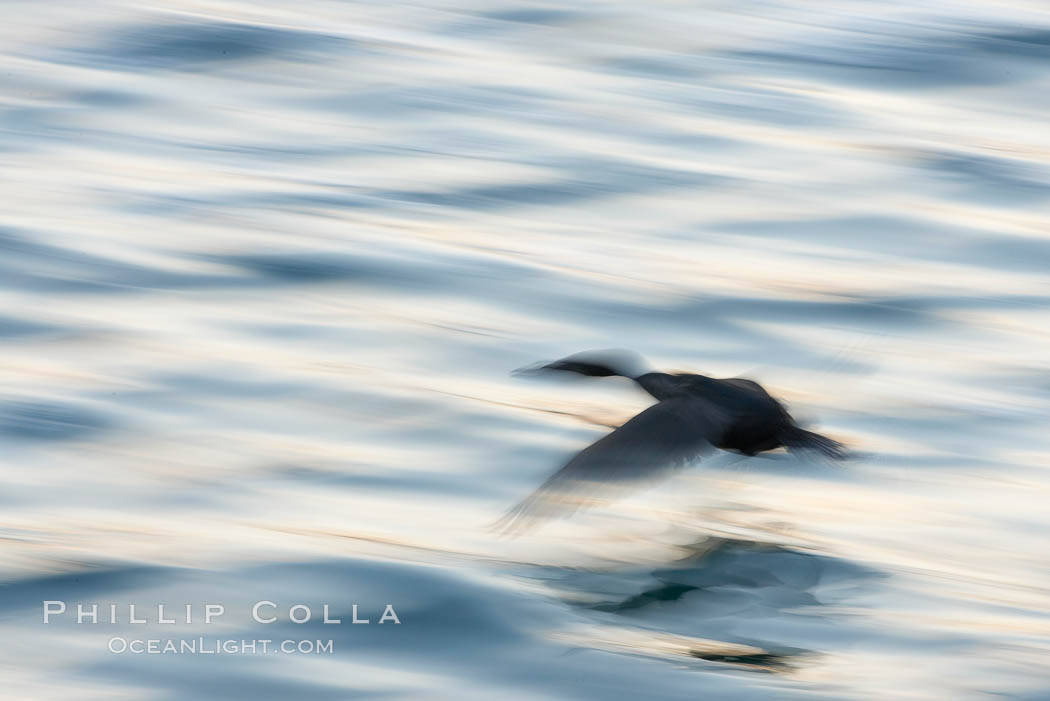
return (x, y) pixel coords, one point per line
(265, 268)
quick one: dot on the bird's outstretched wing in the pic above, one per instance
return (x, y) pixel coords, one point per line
(656, 442)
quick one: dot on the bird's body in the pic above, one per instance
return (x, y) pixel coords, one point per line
(694, 414)
(751, 418)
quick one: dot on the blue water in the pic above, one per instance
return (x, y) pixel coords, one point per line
(265, 269)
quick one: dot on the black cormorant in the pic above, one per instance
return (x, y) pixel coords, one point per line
(694, 414)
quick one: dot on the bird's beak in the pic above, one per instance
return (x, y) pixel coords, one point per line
(533, 370)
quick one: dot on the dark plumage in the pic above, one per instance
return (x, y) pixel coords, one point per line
(694, 415)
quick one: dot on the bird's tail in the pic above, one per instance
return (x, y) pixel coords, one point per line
(798, 439)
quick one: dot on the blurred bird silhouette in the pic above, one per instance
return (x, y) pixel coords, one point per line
(694, 415)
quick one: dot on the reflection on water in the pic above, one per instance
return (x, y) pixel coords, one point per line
(264, 271)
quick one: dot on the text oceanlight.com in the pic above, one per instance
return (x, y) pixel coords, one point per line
(229, 646)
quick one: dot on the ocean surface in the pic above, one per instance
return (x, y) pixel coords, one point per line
(266, 268)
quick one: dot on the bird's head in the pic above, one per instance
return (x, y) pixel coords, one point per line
(600, 363)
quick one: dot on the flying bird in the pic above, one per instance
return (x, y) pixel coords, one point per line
(693, 416)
